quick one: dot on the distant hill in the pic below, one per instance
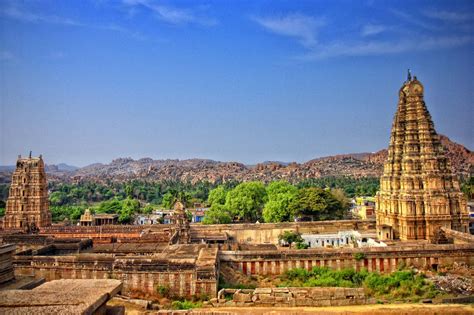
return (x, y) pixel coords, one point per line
(354, 164)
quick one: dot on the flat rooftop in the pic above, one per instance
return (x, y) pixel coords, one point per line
(72, 296)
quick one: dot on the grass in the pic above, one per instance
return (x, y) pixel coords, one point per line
(185, 305)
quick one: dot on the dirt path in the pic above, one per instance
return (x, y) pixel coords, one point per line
(377, 309)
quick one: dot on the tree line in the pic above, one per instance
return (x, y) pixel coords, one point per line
(70, 200)
(279, 201)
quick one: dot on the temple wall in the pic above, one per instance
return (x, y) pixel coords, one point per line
(384, 259)
(261, 233)
(139, 275)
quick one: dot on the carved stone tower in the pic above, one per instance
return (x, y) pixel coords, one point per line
(418, 192)
(27, 204)
(180, 231)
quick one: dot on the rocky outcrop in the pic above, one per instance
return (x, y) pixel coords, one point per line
(194, 170)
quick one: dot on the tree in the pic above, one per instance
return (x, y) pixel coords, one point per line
(281, 195)
(318, 203)
(217, 214)
(246, 200)
(129, 207)
(290, 237)
(168, 200)
(148, 209)
(217, 196)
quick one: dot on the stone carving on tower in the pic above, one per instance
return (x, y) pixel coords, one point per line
(180, 230)
(418, 191)
(27, 204)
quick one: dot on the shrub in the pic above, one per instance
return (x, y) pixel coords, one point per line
(399, 285)
(185, 305)
(359, 256)
(163, 290)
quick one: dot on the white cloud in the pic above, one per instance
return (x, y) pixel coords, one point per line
(415, 20)
(24, 15)
(302, 27)
(172, 15)
(372, 29)
(448, 16)
(373, 48)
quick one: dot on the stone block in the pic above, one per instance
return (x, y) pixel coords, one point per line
(266, 298)
(281, 290)
(242, 297)
(262, 291)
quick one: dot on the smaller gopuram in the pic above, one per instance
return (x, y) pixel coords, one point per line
(180, 232)
(418, 194)
(27, 204)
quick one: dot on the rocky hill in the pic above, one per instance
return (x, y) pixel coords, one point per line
(356, 165)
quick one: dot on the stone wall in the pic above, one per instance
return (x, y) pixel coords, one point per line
(97, 233)
(6, 265)
(458, 237)
(289, 297)
(260, 233)
(381, 259)
(143, 275)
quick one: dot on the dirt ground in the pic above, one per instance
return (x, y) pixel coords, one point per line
(416, 309)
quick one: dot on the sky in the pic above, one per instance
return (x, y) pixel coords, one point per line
(249, 81)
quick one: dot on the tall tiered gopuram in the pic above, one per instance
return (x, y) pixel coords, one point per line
(418, 191)
(27, 204)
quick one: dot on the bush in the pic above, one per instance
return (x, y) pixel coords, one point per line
(185, 305)
(399, 285)
(359, 256)
(163, 290)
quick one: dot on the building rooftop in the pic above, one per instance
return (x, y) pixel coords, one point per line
(60, 297)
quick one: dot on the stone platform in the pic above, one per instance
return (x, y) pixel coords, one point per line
(61, 297)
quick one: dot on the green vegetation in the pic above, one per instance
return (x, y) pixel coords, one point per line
(185, 305)
(279, 201)
(400, 285)
(359, 256)
(292, 238)
(162, 290)
(467, 187)
(365, 186)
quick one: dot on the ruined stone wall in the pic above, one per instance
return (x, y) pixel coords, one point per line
(381, 259)
(142, 275)
(458, 237)
(95, 232)
(260, 233)
(289, 297)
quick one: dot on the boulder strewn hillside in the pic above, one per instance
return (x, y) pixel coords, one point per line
(356, 165)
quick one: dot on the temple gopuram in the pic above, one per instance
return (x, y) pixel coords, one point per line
(418, 191)
(27, 205)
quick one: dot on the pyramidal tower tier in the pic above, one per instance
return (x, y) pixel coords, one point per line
(418, 191)
(27, 203)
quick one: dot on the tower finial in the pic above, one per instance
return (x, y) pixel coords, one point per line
(409, 75)
(30, 154)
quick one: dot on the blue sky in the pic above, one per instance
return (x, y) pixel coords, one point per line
(89, 81)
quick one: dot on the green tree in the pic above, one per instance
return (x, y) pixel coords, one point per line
(217, 196)
(217, 214)
(129, 208)
(148, 209)
(318, 203)
(281, 195)
(290, 237)
(168, 200)
(246, 201)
